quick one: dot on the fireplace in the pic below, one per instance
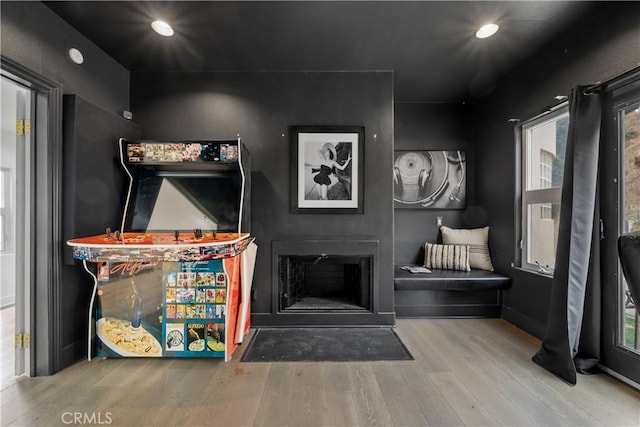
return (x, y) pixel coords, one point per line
(313, 276)
(324, 282)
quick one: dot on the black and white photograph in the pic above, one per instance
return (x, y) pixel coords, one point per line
(327, 169)
(429, 179)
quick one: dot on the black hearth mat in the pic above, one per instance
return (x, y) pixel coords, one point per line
(325, 345)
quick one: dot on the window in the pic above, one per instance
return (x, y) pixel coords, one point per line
(5, 205)
(544, 140)
(546, 166)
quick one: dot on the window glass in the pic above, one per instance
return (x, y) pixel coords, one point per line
(544, 219)
(631, 197)
(546, 166)
(544, 142)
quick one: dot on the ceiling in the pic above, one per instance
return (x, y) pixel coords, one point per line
(429, 45)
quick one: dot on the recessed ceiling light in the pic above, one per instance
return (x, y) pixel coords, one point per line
(487, 31)
(76, 56)
(162, 28)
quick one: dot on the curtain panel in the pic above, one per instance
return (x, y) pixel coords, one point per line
(571, 342)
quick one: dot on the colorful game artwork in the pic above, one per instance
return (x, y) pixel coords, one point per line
(173, 152)
(211, 311)
(185, 295)
(206, 279)
(187, 280)
(135, 153)
(220, 310)
(232, 153)
(154, 152)
(170, 295)
(201, 295)
(191, 152)
(171, 311)
(211, 295)
(174, 337)
(196, 336)
(210, 152)
(190, 311)
(221, 280)
(103, 271)
(181, 312)
(221, 296)
(171, 279)
(215, 337)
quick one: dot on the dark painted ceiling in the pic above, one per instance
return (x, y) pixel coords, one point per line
(429, 45)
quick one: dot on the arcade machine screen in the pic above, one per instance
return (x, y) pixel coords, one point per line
(166, 201)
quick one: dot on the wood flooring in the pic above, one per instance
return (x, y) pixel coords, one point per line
(466, 372)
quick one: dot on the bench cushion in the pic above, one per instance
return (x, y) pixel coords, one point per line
(450, 280)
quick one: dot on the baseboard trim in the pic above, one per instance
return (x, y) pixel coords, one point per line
(74, 352)
(438, 311)
(523, 322)
(7, 301)
(617, 376)
(323, 319)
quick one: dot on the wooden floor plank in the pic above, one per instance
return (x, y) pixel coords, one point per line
(275, 403)
(428, 397)
(237, 401)
(409, 332)
(307, 408)
(399, 399)
(338, 396)
(465, 372)
(370, 407)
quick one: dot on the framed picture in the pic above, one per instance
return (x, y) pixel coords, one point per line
(429, 179)
(327, 169)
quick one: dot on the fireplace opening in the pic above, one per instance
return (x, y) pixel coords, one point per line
(325, 282)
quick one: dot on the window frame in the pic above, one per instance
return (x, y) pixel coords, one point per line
(539, 196)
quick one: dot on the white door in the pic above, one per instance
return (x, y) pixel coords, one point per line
(15, 219)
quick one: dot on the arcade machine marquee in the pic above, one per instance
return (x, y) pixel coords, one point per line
(177, 283)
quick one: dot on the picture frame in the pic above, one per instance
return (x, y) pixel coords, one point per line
(430, 179)
(327, 175)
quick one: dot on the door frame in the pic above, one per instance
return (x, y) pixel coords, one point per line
(616, 360)
(46, 175)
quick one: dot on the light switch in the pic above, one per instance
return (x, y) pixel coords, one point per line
(438, 221)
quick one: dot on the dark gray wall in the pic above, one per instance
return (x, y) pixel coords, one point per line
(433, 127)
(36, 39)
(598, 48)
(261, 107)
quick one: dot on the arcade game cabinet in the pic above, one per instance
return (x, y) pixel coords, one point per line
(177, 282)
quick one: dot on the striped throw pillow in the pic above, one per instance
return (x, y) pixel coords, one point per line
(446, 257)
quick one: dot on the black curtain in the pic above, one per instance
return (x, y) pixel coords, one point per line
(572, 339)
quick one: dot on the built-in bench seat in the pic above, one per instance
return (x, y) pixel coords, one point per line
(449, 293)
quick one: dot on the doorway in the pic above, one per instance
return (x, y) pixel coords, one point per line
(621, 213)
(38, 218)
(15, 211)
(629, 117)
